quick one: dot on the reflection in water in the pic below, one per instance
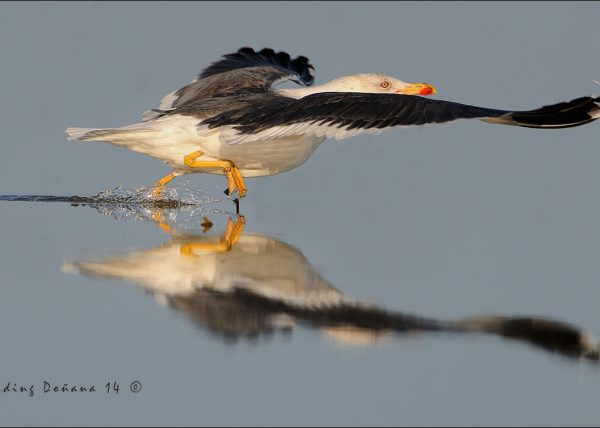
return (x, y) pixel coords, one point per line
(240, 284)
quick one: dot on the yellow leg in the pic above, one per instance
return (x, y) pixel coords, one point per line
(227, 242)
(159, 219)
(232, 233)
(163, 181)
(160, 184)
(234, 177)
(237, 175)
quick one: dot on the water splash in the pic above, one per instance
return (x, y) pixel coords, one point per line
(180, 205)
(170, 197)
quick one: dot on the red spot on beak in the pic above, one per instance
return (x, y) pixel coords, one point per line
(427, 90)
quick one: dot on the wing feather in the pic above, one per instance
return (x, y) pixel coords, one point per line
(298, 69)
(341, 115)
(244, 70)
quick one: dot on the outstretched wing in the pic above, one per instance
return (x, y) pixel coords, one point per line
(245, 69)
(342, 115)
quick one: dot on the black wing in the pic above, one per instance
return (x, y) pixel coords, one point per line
(298, 69)
(341, 115)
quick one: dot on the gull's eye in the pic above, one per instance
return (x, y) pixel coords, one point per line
(385, 84)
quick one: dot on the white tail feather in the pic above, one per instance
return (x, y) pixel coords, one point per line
(169, 139)
(112, 135)
(77, 133)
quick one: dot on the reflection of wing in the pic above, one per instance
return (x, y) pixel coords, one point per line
(236, 72)
(241, 313)
(554, 336)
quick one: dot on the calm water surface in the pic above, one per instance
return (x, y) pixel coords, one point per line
(241, 322)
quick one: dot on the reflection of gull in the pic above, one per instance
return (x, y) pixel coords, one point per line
(245, 284)
(187, 263)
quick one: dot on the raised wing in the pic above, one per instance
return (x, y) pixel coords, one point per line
(245, 69)
(341, 115)
(297, 69)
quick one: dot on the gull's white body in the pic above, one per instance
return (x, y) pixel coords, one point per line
(172, 137)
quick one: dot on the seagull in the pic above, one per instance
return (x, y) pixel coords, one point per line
(232, 120)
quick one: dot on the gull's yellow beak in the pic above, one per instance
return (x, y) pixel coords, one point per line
(418, 89)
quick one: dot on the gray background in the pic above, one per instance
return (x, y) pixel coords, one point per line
(446, 221)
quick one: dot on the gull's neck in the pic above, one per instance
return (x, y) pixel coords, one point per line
(303, 92)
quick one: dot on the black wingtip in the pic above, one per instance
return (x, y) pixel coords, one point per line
(248, 57)
(561, 115)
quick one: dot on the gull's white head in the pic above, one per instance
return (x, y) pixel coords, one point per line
(364, 82)
(377, 84)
